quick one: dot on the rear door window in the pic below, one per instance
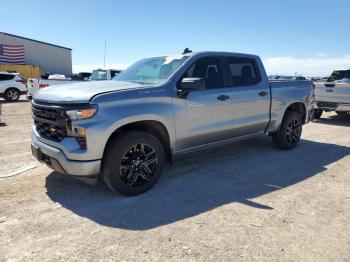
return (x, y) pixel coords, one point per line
(209, 69)
(243, 71)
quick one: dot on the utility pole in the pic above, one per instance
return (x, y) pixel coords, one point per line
(104, 58)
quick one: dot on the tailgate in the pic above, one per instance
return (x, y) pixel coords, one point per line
(333, 92)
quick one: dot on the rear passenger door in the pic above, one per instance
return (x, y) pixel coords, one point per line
(250, 96)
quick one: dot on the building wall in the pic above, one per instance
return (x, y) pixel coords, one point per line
(54, 59)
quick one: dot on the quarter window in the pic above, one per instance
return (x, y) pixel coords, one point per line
(243, 71)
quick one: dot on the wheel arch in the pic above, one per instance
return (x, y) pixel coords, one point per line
(12, 87)
(154, 127)
(299, 107)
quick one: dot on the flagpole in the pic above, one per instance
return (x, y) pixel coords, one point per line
(104, 58)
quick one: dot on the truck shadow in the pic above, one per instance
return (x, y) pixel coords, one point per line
(336, 120)
(233, 173)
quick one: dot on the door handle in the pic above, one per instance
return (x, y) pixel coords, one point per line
(223, 97)
(263, 93)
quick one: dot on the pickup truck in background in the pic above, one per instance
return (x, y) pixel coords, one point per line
(124, 131)
(104, 74)
(334, 94)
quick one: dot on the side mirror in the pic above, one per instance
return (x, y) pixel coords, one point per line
(191, 84)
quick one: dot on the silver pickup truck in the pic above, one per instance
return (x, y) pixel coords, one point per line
(334, 94)
(124, 131)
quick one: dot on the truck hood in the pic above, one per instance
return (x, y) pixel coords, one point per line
(81, 92)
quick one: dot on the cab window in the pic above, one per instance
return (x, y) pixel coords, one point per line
(243, 71)
(209, 69)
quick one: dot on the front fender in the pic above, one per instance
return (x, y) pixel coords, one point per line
(113, 115)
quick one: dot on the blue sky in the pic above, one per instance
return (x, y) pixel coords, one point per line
(310, 37)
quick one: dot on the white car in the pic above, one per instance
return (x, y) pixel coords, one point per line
(12, 86)
(334, 94)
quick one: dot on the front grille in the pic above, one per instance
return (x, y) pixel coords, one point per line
(50, 130)
(44, 113)
(330, 105)
(50, 121)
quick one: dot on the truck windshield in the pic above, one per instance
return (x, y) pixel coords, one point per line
(152, 70)
(99, 75)
(339, 75)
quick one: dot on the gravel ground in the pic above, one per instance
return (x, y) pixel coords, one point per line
(244, 202)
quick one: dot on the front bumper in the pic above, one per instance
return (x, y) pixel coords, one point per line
(56, 160)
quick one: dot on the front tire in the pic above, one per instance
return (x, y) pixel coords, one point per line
(12, 94)
(133, 162)
(289, 133)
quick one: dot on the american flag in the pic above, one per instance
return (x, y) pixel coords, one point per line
(12, 54)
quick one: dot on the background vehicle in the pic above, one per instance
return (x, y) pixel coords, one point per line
(81, 76)
(33, 86)
(12, 86)
(162, 108)
(334, 94)
(104, 74)
(277, 77)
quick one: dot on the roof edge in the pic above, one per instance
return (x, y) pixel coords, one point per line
(30, 39)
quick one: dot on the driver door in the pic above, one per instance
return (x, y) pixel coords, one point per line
(204, 116)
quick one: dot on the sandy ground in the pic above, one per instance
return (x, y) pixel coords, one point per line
(243, 202)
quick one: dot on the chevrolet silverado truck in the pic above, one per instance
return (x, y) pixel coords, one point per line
(124, 131)
(334, 94)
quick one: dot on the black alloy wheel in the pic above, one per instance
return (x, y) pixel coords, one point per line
(293, 133)
(138, 164)
(133, 162)
(289, 133)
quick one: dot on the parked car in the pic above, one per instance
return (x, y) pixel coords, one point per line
(12, 86)
(334, 94)
(104, 74)
(278, 77)
(125, 130)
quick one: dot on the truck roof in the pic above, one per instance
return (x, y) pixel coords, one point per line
(217, 53)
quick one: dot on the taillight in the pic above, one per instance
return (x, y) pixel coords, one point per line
(313, 90)
(43, 85)
(23, 81)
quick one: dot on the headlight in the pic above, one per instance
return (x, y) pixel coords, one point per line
(83, 113)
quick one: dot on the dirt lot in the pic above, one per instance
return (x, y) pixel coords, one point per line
(244, 202)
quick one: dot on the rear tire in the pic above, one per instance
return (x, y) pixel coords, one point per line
(289, 133)
(318, 113)
(12, 94)
(133, 162)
